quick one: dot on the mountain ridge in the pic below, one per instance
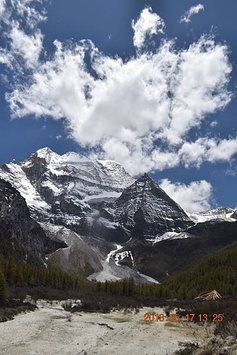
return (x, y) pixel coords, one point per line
(94, 206)
(20, 235)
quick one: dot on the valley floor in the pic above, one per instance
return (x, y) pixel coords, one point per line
(51, 330)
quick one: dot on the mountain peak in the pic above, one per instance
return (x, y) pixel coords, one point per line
(147, 211)
(145, 183)
(44, 152)
(145, 177)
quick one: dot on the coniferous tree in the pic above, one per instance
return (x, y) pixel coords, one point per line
(3, 287)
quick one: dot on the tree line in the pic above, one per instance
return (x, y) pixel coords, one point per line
(19, 273)
(218, 271)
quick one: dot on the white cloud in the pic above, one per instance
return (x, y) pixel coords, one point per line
(148, 24)
(5, 58)
(28, 47)
(214, 123)
(194, 197)
(2, 7)
(208, 149)
(192, 11)
(29, 11)
(132, 104)
(137, 111)
(21, 40)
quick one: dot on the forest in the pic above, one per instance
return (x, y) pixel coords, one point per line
(217, 271)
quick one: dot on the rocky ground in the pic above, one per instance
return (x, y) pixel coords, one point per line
(52, 330)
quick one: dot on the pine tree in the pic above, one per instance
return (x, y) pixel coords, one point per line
(3, 286)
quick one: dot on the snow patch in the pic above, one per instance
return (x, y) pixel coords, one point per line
(168, 236)
(212, 215)
(112, 252)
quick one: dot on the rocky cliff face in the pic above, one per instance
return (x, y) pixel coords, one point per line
(59, 188)
(78, 256)
(147, 212)
(20, 235)
(95, 207)
(96, 199)
(168, 256)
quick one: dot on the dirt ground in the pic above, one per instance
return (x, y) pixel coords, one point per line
(51, 330)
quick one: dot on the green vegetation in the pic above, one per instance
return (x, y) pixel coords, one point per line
(217, 271)
(3, 286)
(18, 273)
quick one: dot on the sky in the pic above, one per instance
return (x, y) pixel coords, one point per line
(149, 84)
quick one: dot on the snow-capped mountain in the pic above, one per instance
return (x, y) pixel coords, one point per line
(60, 187)
(223, 213)
(147, 212)
(79, 193)
(92, 206)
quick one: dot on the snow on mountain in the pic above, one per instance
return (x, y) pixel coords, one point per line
(14, 174)
(55, 184)
(113, 271)
(168, 236)
(95, 206)
(224, 213)
(146, 211)
(117, 172)
(20, 235)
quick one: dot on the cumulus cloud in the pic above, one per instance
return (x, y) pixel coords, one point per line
(129, 106)
(194, 197)
(208, 149)
(137, 111)
(29, 11)
(28, 47)
(22, 41)
(148, 24)
(192, 11)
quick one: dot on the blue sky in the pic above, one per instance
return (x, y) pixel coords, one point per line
(154, 88)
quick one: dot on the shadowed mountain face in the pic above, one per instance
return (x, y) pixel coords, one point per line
(96, 208)
(59, 189)
(161, 259)
(84, 195)
(20, 235)
(142, 212)
(146, 211)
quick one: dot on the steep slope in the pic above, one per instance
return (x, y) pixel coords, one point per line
(20, 235)
(59, 188)
(78, 256)
(216, 271)
(92, 206)
(164, 258)
(146, 211)
(78, 193)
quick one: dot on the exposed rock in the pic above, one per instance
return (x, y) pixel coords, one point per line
(78, 256)
(234, 214)
(146, 211)
(20, 235)
(230, 340)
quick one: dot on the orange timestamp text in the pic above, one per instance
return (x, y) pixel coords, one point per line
(190, 317)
